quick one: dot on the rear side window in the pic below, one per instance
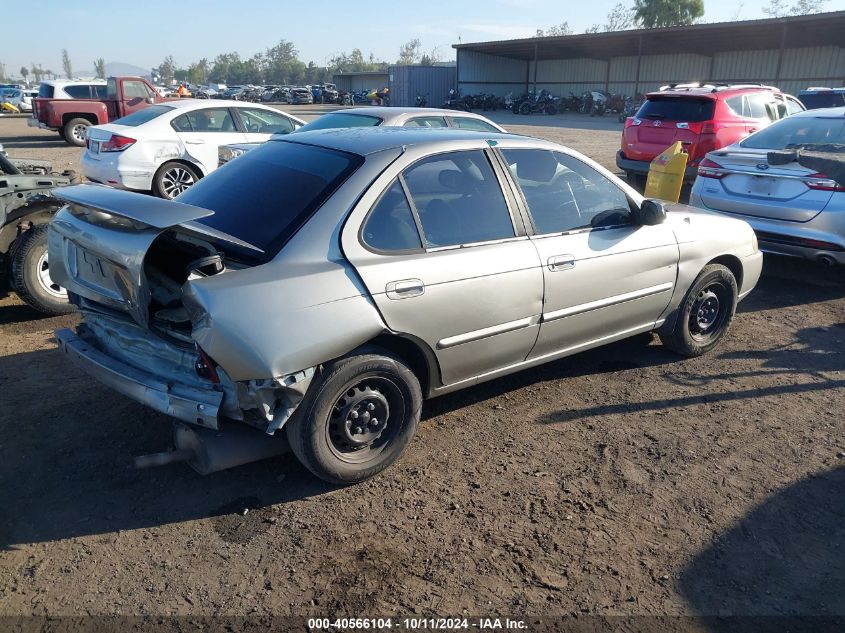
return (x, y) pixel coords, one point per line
(79, 91)
(390, 225)
(467, 123)
(458, 199)
(267, 194)
(341, 120)
(426, 121)
(142, 116)
(45, 91)
(677, 109)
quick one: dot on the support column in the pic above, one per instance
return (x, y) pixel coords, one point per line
(639, 61)
(780, 54)
(535, 69)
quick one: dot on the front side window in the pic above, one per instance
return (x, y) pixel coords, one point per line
(135, 90)
(458, 199)
(390, 225)
(468, 123)
(793, 106)
(564, 194)
(259, 121)
(426, 121)
(757, 105)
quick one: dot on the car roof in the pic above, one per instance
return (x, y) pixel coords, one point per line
(369, 140)
(387, 112)
(186, 104)
(709, 92)
(74, 82)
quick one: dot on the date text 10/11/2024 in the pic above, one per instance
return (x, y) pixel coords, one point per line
(415, 624)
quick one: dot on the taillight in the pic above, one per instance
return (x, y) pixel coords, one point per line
(117, 143)
(632, 121)
(711, 169)
(708, 127)
(820, 182)
(205, 367)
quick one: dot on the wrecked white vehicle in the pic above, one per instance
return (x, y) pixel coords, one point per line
(325, 282)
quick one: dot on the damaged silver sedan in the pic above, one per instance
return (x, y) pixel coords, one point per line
(321, 286)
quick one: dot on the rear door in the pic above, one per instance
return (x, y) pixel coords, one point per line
(203, 131)
(446, 260)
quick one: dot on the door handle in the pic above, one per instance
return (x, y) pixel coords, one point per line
(752, 130)
(404, 289)
(196, 142)
(561, 262)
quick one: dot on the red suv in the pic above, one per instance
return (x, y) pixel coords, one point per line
(703, 118)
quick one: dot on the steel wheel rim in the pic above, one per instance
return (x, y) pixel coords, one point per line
(45, 281)
(709, 312)
(176, 180)
(365, 419)
(78, 131)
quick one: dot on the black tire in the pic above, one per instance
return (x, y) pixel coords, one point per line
(525, 108)
(705, 314)
(75, 131)
(353, 390)
(637, 181)
(173, 178)
(30, 276)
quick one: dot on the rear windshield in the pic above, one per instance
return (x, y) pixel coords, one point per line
(677, 109)
(45, 91)
(142, 116)
(818, 100)
(340, 120)
(798, 130)
(267, 194)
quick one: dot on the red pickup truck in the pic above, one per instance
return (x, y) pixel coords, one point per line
(71, 117)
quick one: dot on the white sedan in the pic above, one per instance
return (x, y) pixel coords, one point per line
(166, 148)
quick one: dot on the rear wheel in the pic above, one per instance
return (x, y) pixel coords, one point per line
(706, 312)
(358, 419)
(173, 178)
(75, 131)
(31, 274)
(525, 108)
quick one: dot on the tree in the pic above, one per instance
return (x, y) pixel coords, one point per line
(561, 29)
(36, 70)
(24, 72)
(659, 13)
(806, 7)
(409, 53)
(100, 67)
(776, 9)
(167, 69)
(620, 18)
(66, 65)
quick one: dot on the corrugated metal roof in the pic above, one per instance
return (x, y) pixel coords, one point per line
(821, 29)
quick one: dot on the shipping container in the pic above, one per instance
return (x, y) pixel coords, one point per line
(431, 82)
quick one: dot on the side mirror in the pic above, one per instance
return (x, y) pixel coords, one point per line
(651, 213)
(150, 100)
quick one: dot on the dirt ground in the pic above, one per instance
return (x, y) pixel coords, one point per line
(622, 481)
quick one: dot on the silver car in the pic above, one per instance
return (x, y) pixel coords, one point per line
(794, 210)
(327, 282)
(437, 118)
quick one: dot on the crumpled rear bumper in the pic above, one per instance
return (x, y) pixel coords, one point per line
(186, 402)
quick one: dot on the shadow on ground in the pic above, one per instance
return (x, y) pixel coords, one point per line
(34, 141)
(786, 557)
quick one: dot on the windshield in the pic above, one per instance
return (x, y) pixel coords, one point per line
(677, 109)
(798, 130)
(816, 100)
(341, 120)
(265, 196)
(142, 116)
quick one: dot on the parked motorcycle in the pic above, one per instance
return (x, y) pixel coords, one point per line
(543, 102)
(422, 101)
(456, 101)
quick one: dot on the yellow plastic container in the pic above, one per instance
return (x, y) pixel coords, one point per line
(666, 174)
(8, 107)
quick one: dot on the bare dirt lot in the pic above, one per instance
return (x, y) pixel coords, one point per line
(617, 482)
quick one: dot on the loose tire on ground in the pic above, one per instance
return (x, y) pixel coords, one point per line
(337, 433)
(173, 178)
(30, 276)
(74, 131)
(705, 314)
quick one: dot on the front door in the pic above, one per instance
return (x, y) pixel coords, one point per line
(204, 131)
(446, 262)
(604, 276)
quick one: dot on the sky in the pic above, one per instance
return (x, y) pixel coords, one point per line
(143, 33)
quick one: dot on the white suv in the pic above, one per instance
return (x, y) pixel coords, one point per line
(54, 89)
